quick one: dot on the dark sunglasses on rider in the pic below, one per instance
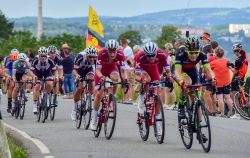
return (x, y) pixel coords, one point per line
(151, 55)
(92, 57)
(193, 52)
(21, 61)
(42, 56)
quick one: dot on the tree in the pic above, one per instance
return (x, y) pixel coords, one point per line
(168, 34)
(6, 27)
(133, 37)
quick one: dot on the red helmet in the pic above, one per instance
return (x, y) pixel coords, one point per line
(13, 56)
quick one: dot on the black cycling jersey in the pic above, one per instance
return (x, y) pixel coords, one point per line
(81, 62)
(58, 61)
(43, 69)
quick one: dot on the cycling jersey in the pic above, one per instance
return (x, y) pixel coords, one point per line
(21, 69)
(58, 61)
(144, 66)
(107, 68)
(82, 65)
(241, 65)
(43, 69)
(183, 61)
(9, 66)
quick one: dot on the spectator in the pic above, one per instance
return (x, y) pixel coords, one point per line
(170, 86)
(128, 52)
(222, 75)
(67, 74)
(179, 45)
(61, 84)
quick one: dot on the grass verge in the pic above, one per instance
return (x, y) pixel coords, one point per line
(17, 151)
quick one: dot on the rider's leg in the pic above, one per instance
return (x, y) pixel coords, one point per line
(1, 79)
(36, 95)
(24, 79)
(14, 94)
(114, 76)
(10, 94)
(91, 84)
(77, 95)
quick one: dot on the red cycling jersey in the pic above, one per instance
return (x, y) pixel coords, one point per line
(107, 67)
(153, 69)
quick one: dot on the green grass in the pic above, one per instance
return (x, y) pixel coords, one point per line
(17, 151)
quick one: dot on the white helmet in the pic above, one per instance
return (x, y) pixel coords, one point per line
(150, 48)
(14, 50)
(91, 51)
(43, 51)
(112, 45)
(21, 57)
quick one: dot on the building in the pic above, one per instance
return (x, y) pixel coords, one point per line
(234, 28)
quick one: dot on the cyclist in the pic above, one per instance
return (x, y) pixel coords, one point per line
(20, 71)
(239, 70)
(41, 66)
(53, 53)
(186, 72)
(8, 74)
(84, 68)
(148, 60)
(106, 65)
(1, 74)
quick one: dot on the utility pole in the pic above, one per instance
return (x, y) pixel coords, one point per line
(40, 20)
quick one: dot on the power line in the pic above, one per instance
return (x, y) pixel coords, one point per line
(185, 12)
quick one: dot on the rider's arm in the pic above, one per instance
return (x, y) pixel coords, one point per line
(178, 70)
(75, 72)
(209, 72)
(98, 72)
(123, 73)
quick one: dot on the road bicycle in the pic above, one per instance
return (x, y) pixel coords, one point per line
(148, 118)
(85, 108)
(107, 114)
(243, 98)
(196, 121)
(52, 103)
(42, 109)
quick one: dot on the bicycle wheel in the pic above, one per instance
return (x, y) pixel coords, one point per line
(185, 128)
(243, 110)
(203, 127)
(110, 117)
(79, 112)
(87, 111)
(143, 125)
(99, 123)
(52, 107)
(17, 110)
(39, 109)
(22, 105)
(44, 107)
(159, 123)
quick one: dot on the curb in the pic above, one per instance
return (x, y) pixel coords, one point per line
(4, 146)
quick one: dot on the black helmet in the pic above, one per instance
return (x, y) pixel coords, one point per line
(207, 48)
(192, 44)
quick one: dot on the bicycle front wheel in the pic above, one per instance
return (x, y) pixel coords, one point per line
(39, 109)
(244, 104)
(44, 107)
(203, 127)
(99, 124)
(87, 111)
(110, 117)
(79, 113)
(159, 122)
(22, 105)
(143, 125)
(185, 128)
(52, 107)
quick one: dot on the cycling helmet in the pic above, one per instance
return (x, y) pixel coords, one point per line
(14, 50)
(207, 48)
(43, 51)
(52, 49)
(237, 46)
(150, 48)
(21, 57)
(192, 44)
(91, 51)
(112, 45)
(13, 56)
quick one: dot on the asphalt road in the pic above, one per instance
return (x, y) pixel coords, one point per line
(230, 138)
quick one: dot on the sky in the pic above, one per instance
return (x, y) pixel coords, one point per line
(118, 8)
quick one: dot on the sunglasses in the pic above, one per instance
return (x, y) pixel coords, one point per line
(193, 52)
(21, 61)
(91, 57)
(151, 55)
(43, 56)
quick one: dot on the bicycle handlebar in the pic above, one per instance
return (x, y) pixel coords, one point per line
(113, 83)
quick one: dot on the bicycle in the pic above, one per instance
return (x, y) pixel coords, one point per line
(243, 99)
(194, 123)
(107, 114)
(148, 118)
(52, 103)
(20, 101)
(85, 108)
(42, 109)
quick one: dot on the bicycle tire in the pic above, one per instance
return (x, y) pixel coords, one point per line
(39, 107)
(17, 109)
(22, 105)
(161, 121)
(244, 111)
(44, 107)
(110, 117)
(87, 111)
(79, 112)
(143, 126)
(203, 129)
(52, 107)
(99, 121)
(185, 128)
